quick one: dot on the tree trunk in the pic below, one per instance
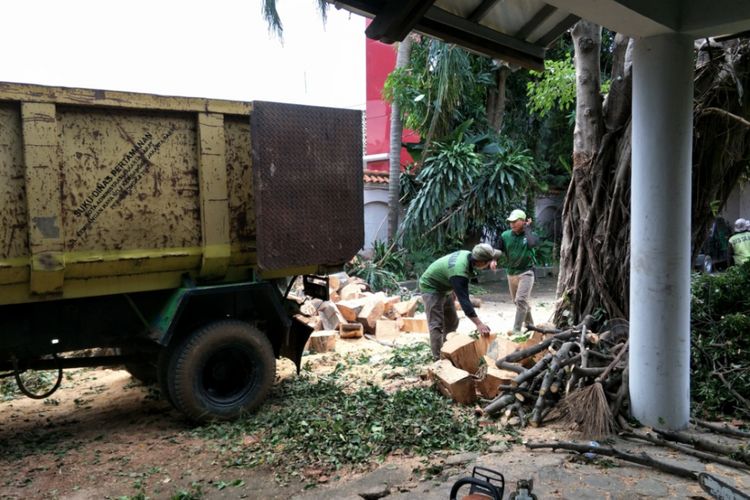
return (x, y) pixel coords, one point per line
(595, 250)
(592, 264)
(496, 99)
(394, 176)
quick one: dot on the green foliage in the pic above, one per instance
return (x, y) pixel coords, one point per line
(461, 190)
(720, 321)
(377, 277)
(413, 356)
(443, 85)
(390, 258)
(317, 425)
(554, 88)
(8, 389)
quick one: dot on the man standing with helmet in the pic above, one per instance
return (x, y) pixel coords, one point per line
(517, 244)
(739, 243)
(451, 273)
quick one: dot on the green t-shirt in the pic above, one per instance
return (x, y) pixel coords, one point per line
(436, 279)
(740, 243)
(517, 250)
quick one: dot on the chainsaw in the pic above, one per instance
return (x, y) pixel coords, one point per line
(489, 484)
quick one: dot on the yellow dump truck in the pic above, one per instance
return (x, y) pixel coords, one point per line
(164, 227)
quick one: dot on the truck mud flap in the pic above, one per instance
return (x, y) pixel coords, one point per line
(293, 348)
(307, 171)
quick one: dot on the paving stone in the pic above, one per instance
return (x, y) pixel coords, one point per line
(460, 458)
(651, 488)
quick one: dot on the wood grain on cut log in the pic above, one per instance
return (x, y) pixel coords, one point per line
(414, 325)
(387, 329)
(351, 330)
(489, 385)
(371, 313)
(323, 341)
(330, 316)
(350, 308)
(453, 382)
(462, 352)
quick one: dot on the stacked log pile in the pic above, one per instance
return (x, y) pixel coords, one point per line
(353, 311)
(557, 377)
(466, 371)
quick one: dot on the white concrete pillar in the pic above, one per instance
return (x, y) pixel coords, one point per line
(660, 230)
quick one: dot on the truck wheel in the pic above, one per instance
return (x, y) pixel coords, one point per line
(220, 371)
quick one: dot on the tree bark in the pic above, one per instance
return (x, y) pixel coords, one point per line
(595, 250)
(496, 99)
(394, 156)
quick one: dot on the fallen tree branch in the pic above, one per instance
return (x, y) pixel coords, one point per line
(541, 346)
(739, 452)
(642, 459)
(534, 370)
(684, 449)
(721, 428)
(504, 365)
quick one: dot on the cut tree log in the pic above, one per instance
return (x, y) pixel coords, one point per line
(351, 330)
(371, 313)
(482, 344)
(407, 308)
(330, 316)
(415, 325)
(489, 385)
(389, 302)
(462, 352)
(337, 280)
(351, 291)
(387, 329)
(453, 382)
(350, 309)
(323, 341)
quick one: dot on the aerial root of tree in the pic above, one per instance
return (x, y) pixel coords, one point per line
(595, 247)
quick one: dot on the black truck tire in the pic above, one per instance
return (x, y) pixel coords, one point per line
(221, 371)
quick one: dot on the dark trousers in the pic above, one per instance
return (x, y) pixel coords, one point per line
(441, 319)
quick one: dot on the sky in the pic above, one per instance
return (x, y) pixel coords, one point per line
(198, 48)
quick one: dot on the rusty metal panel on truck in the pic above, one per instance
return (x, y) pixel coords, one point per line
(110, 192)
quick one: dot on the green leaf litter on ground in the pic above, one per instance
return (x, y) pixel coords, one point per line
(316, 425)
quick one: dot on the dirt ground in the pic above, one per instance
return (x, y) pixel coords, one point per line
(104, 435)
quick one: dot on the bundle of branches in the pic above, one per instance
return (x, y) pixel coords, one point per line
(582, 378)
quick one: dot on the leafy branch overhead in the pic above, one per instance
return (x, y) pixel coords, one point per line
(464, 186)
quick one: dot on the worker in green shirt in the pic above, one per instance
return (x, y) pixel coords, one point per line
(739, 243)
(447, 274)
(517, 244)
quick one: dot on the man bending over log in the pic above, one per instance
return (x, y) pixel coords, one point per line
(447, 274)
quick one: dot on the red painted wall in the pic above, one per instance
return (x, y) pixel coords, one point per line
(381, 59)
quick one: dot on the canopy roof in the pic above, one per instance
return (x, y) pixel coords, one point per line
(519, 31)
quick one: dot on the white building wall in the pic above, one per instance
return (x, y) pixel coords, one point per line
(376, 215)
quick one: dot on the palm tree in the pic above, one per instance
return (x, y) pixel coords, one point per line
(394, 176)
